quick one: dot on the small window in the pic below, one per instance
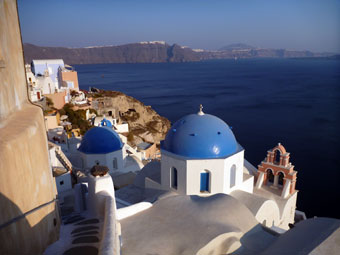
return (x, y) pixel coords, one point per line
(205, 179)
(232, 176)
(174, 178)
(115, 163)
(61, 183)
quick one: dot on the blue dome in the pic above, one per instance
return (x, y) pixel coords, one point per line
(100, 140)
(200, 136)
(105, 123)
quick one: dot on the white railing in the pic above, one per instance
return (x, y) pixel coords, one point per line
(110, 244)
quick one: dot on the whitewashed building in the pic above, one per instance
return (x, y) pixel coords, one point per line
(51, 66)
(201, 156)
(103, 146)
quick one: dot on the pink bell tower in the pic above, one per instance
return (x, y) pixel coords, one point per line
(276, 171)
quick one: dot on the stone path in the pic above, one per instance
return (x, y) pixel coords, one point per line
(79, 235)
(86, 232)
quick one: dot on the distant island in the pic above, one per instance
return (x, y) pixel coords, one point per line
(157, 52)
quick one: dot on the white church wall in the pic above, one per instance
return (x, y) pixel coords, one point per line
(189, 174)
(89, 160)
(169, 161)
(93, 159)
(248, 184)
(216, 176)
(116, 156)
(238, 160)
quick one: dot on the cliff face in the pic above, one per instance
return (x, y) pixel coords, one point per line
(156, 52)
(129, 53)
(258, 53)
(145, 124)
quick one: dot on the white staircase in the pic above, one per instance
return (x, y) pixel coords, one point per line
(63, 159)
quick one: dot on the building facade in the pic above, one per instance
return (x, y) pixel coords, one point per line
(29, 218)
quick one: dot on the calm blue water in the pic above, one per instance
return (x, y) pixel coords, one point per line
(295, 102)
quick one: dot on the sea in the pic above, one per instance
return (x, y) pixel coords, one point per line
(265, 101)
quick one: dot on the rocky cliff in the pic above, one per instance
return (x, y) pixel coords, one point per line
(145, 124)
(240, 50)
(128, 53)
(156, 52)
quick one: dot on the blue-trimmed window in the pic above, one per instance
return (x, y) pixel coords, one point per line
(205, 179)
(174, 178)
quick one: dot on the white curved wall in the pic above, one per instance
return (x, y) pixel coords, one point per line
(268, 214)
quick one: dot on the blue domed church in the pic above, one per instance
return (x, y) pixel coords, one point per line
(102, 146)
(200, 155)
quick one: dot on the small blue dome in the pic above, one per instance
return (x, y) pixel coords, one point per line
(105, 123)
(100, 140)
(200, 136)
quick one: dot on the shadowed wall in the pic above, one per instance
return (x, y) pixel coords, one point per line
(29, 219)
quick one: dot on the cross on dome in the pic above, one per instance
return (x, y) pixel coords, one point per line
(201, 110)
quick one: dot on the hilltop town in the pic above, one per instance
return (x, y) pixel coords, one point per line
(54, 86)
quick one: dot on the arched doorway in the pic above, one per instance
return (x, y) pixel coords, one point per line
(281, 178)
(205, 181)
(174, 178)
(270, 177)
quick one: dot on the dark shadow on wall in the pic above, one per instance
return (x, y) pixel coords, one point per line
(17, 236)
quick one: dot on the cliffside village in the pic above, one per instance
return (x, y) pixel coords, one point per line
(51, 82)
(200, 157)
(101, 192)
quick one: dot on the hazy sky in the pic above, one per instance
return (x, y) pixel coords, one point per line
(207, 24)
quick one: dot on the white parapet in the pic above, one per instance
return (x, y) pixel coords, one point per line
(110, 244)
(96, 185)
